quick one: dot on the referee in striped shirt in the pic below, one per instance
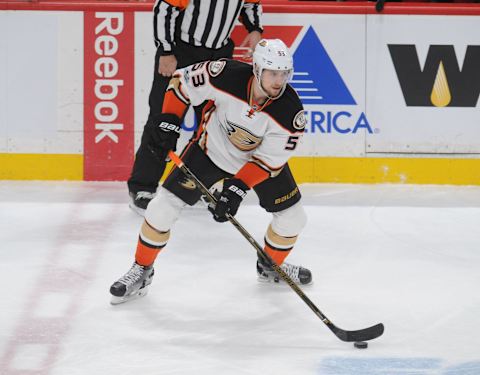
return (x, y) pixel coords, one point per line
(186, 32)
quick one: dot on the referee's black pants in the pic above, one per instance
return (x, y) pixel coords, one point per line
(147, 168)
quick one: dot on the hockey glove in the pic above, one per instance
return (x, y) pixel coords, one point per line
(162, 132)
(234, 190)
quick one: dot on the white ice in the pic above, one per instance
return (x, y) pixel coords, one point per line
(407, 256)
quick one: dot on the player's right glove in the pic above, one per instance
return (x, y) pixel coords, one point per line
(162, 132)
(234, 190)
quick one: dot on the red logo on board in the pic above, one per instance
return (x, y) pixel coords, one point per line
(108, 99)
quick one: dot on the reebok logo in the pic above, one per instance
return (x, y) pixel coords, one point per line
(108, 102)
(106, 69)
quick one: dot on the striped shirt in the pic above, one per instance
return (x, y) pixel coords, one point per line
(204, 23)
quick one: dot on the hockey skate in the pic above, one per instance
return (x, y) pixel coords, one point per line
(140, 200)
(134, 284)
(298, 274)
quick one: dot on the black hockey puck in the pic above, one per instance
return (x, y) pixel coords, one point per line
(361, 345)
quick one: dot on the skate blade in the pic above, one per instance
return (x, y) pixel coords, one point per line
(119, 300)
(137, 210)
(269, 280)
(278, 281)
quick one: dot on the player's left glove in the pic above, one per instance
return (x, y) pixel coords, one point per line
(234, 190)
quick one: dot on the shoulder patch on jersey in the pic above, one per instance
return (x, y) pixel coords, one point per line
(300, 121)
(216, 67)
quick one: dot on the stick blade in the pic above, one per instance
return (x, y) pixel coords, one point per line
(365, 334)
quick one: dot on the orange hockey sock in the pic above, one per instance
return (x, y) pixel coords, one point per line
(145, 255)
(150, 243)
(277, 246)
(278, 255)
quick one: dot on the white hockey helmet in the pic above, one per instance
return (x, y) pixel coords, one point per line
(272, 54)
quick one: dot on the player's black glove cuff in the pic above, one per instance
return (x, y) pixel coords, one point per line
(162, 132)
(234, 190)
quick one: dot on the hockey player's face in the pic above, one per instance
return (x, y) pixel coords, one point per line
(274, 80)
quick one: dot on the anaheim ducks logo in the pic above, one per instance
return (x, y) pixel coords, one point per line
(188, 184)
(300, 121)
(241, 138)
(216, 67)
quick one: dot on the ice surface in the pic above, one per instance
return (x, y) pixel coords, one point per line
(407, 256)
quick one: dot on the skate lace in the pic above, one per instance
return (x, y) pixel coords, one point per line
(144, 194)
(291, 270)
(133, 275)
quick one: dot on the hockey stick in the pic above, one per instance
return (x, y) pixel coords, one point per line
(365, 334)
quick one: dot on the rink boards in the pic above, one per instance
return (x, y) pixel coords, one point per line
(389, 97)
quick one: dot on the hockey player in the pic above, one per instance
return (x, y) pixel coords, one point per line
(250, 127)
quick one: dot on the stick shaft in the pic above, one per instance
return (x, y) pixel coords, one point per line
(179, 163)
(361, 335)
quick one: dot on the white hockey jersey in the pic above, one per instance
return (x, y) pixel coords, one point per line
(233, 130)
